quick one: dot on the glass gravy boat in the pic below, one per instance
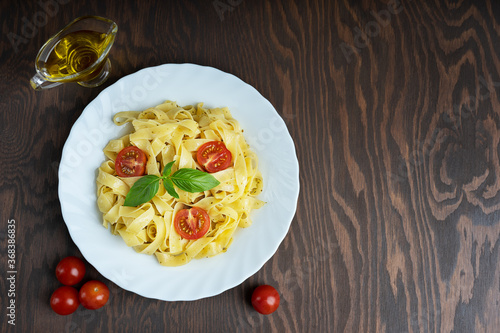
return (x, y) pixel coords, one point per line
(77, 53)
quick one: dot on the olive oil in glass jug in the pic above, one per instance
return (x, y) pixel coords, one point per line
(78, 53)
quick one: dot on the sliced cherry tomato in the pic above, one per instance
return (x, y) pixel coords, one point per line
(93, 295)
(214, 156)
(64, 300)
(265, 299)
(192, 223)
(130, 162)
(70, 271)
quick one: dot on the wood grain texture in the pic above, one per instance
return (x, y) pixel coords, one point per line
(394, 110)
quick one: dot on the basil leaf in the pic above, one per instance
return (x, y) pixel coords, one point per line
(142, 191)
(192, 180)
(167, 169)
(169, 186)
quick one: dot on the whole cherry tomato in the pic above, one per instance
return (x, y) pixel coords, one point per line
(70, 271)
(64, 300)
(94, 294)
(265, 299)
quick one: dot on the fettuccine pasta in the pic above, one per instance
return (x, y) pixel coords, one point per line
(166, 133)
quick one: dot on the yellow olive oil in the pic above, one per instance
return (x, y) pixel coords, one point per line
(74, 53)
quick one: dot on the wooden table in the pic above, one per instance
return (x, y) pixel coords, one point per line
(395, 112)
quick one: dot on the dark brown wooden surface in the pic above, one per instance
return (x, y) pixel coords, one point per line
(397, 130)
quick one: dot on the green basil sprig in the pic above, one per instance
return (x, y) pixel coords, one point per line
(189, 180)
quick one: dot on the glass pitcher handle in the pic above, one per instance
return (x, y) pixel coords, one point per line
(38, 83)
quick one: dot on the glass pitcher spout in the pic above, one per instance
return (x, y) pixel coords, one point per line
(37, 82)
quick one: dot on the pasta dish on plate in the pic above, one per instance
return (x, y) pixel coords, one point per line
(178, 224)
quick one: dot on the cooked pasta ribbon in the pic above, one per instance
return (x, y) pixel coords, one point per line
(169, 132)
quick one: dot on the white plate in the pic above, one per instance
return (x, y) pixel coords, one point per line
(187, 84)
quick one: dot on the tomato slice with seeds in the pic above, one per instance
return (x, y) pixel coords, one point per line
(192, 223)
(214, 156)
(130, 162)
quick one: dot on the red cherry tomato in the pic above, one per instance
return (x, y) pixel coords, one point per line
(214, 156)
(192, 223)
(94, 294)
(64, 300)
(130, 162)
(265, 299)
(70, 271)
